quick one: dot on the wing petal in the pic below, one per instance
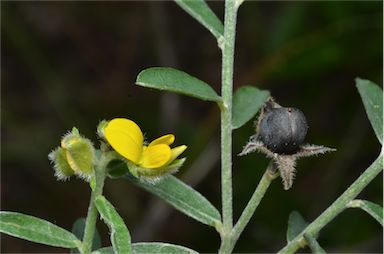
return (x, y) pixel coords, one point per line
(166, 139)
(155, 156)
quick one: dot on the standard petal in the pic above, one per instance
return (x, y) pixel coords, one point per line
(155, 156)
(166, 139)
(175, 152)
(125, 137)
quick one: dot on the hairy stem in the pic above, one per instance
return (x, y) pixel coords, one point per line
(253, 203)
(337, 207)
(90, 222)
(228, 48)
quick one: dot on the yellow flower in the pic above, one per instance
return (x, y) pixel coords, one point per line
(127, 139)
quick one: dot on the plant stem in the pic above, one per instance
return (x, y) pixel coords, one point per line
(228, 48)
(337, 207)
(90, 223)
(268, 176)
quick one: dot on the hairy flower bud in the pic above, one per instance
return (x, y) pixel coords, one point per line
(75, 156)
(59, 159)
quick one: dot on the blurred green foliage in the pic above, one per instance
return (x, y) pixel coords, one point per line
(68, 64)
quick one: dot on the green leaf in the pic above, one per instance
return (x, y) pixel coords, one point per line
(202, 13)
(153, 247)
(36, 230)
(375, 210)
(176, 81)
(120, 237)
(372, 96)
(105, 250)
(247, 101)
(314, 245)
(161, 248)
(296, 224)
(78, 231)
(183, 198)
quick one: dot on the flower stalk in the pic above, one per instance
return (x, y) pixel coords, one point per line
(269, 175)
(97, 190)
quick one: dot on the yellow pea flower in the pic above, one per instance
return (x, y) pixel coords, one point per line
(127, 139)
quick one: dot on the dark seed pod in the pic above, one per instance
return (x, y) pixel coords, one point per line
(283, 130)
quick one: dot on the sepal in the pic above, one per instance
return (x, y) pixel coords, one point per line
(154, 175)
(60, 164)
(100, 129)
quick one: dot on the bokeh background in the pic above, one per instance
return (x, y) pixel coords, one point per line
(70, 64)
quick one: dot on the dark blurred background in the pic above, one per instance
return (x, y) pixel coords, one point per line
(70, 64)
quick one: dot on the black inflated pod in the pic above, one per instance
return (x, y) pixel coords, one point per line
(283, 130)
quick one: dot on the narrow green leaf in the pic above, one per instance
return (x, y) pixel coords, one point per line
(161, 248)
(106, 250)
(183, 198)
(36, 230)
(152, 247)
(203, 14)
(375, 210)
(120, 237)
(314, 245)
(176, 81)
(296, 224)
(372, 96)
(247, 101)
(78, 231)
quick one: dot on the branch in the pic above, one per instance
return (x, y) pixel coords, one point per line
(254, 202)
(337, 207)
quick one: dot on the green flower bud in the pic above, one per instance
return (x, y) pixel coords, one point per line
(80, 154)
(60, 164)
(75, 156)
